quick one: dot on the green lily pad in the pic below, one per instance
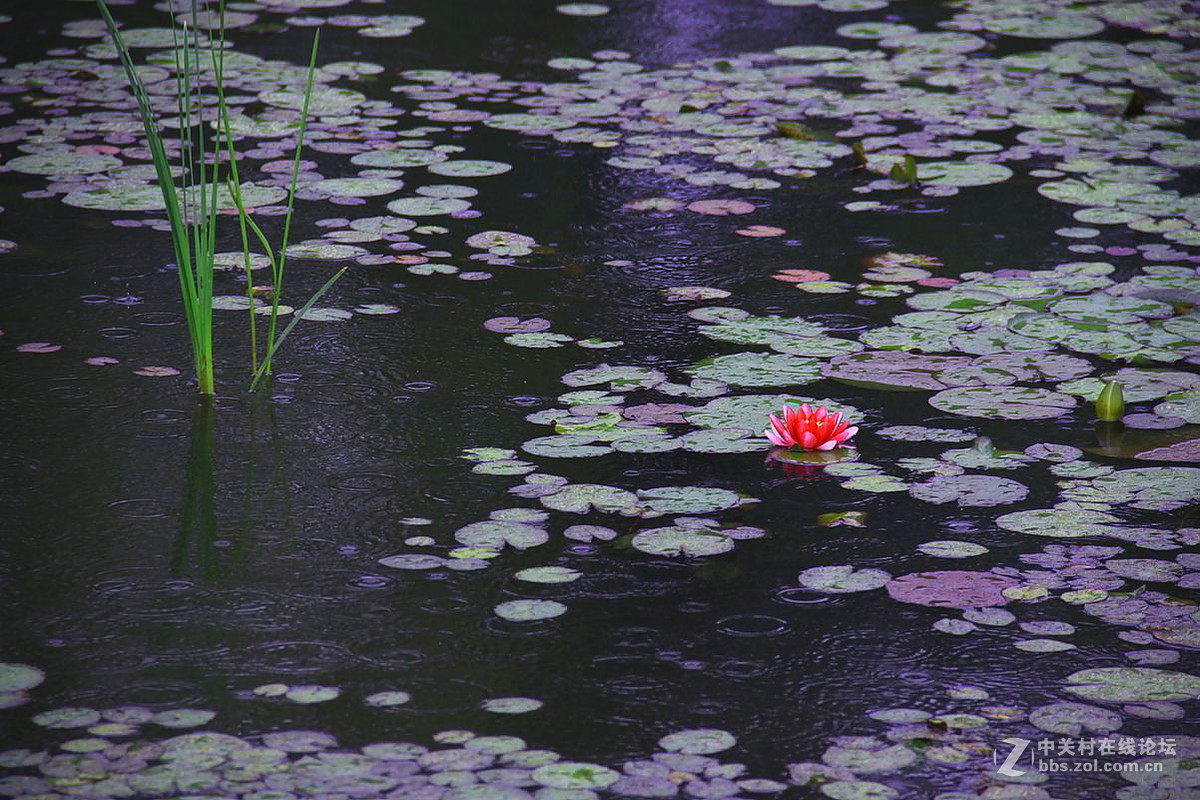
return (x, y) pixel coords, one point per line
(19, 677)
(1133, 684)
(511, 705)
(529, 610)
(969, 490)
(427, 206)
(762, 330)
(863, 760)
(399, 158)
(749, 412)
(527, 122)
(67, 717)
(566, 446)
(324, 251)
(183, 717)
(387, 699)
(356, 187)
(1003, 402)
(951, 548)
(688, 499)
(843, 579)
(582, 498)
(962, 173)
(543, 340)
(548, 575)
(721, 440)
(469, 168)
(698, 741)
(1057, 522)
(921, 433)
(758, 369)
(62, 163)
(496, 534)
(575, 775)
(682, 542)
(307, 695)
(619, 378)
(1059, 25)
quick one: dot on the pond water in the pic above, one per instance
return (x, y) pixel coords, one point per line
(503, 525)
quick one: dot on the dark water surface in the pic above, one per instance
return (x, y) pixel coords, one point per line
(163, 554)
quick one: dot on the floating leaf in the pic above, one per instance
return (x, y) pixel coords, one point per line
(183, 717)
(529, 610)
(951, 589)
(387, 699)
(307, 695)
(575, 775)
(950, 548)
(496, 534)
(1003, 402)
(548, 575)
(686, 542)
(68, 717)
(1133, 684)
(758, 369)
(511, 705)
(843, 579)
(581, 498)
(698, 741)
(19, 677)
(969, 490)
(687, 499)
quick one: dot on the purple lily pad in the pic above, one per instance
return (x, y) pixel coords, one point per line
(1152, 422)
(1188, 451)
(658, 413)
(951, 589)
(510, 325)
(893, 369)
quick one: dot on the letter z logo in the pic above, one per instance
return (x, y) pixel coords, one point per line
(1018, 749)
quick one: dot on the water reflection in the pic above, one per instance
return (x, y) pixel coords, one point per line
(194, 545)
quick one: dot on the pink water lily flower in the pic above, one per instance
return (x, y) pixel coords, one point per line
(809, 428)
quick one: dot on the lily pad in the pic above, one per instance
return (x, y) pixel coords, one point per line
(1133, 684)
(1003, 402)
(511, 705)
(969, 490)
(68, 717)
(582, 498)
(496, 534)
(952, 589)
(530, 610)
(681, 542)
(758, 369)
(548, 575)
(950, 548)
(688, 499)
(843, 579)
(1072, 719)
(19, 677)
(698, 741)
(575, 775)
(387, 699)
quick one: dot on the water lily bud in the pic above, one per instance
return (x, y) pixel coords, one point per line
(1110, 405)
